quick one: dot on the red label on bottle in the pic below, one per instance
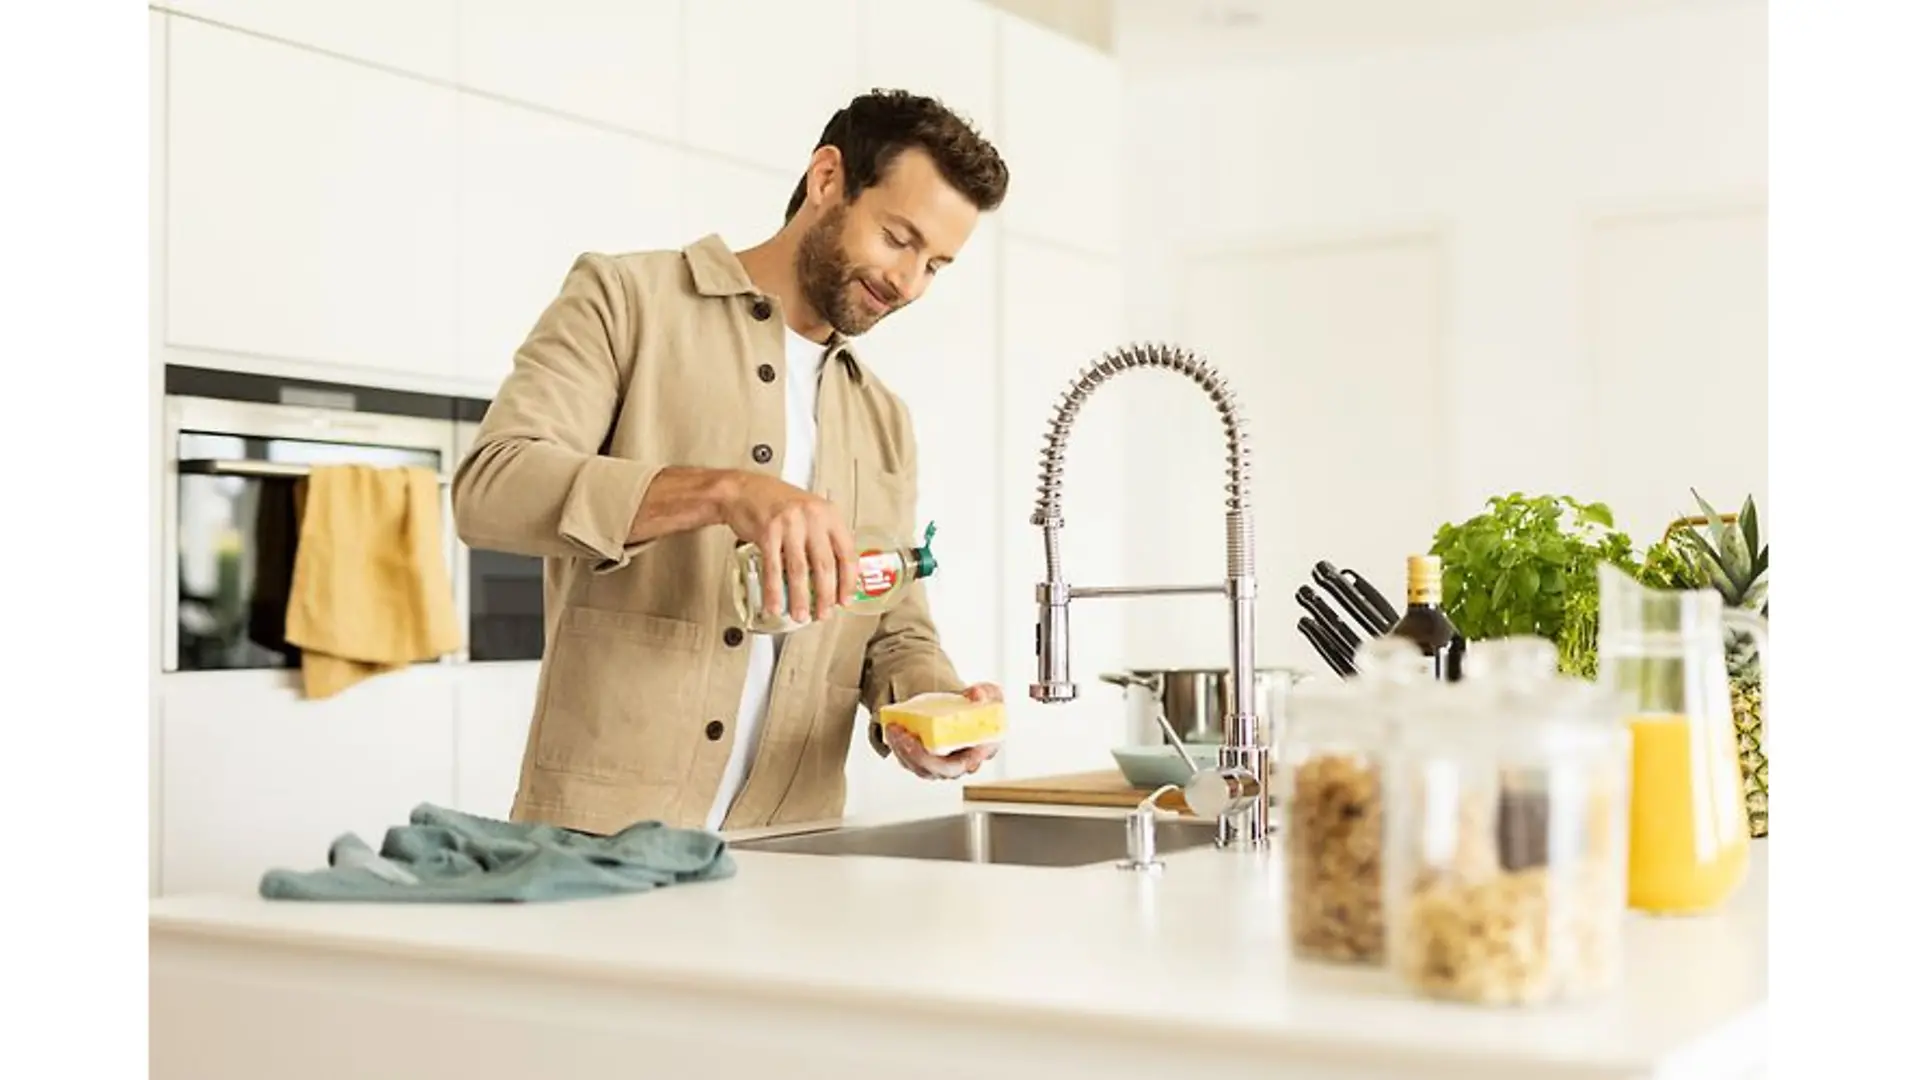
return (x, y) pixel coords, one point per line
(878, 574)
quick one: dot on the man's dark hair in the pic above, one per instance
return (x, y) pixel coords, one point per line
(874, 127)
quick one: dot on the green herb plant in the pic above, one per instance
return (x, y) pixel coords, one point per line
(1528, 564)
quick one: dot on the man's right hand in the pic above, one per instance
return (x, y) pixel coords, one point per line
(802, 539)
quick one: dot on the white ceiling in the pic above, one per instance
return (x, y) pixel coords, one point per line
(1167, 32)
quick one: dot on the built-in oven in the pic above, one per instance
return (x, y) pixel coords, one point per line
(236, 445)
(506, 617)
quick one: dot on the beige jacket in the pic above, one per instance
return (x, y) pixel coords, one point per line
(672, 358)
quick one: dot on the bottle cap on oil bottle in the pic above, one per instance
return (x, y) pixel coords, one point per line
(1423, 579)
(924, 562)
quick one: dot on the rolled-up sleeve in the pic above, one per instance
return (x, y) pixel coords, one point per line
(904, 656)
(535, 482)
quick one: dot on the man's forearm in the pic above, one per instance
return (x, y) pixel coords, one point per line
(682, 499)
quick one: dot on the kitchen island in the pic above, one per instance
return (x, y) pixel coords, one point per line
(808, 965)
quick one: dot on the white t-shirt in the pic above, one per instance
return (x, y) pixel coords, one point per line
(804, 359)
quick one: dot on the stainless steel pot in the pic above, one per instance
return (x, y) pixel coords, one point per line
(1197, 702)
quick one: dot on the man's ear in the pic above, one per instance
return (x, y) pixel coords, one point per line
(826, 177)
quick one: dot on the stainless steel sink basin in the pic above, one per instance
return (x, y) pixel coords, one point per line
(989, 836)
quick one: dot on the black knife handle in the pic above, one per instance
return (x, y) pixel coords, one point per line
(1372, 595)
(1321, 640)
(1326, 616)
(1329, 579)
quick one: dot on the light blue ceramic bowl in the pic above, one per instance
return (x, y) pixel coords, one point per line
(1152, 766)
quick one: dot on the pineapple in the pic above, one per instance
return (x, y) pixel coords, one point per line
(1732, 560)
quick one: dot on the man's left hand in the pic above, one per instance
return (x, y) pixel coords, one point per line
(931, 766)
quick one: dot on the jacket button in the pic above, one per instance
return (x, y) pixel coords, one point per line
(763, 453)
(733, 636)
(766, 373)
(762, 310)
(715, 729)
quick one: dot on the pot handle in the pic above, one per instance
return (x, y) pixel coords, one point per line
(1148, 685)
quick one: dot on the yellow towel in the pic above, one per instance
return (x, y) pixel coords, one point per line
(371, 592)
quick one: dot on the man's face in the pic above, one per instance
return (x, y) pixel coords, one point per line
(861, 261)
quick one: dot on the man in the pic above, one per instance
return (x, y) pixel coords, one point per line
(670, 405)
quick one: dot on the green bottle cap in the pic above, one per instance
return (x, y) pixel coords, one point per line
(925, 563)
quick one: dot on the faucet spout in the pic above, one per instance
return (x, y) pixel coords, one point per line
(1244, 748)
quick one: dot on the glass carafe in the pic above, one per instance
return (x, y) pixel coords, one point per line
(1663, 654)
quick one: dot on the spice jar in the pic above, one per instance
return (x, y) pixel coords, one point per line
(1331, 783)
(1506, 860)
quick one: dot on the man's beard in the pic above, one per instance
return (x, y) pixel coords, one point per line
(827, 278)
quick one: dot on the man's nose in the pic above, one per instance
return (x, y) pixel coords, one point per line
(907, 282)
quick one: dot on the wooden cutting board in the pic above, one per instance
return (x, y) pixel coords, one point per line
(1104, 788)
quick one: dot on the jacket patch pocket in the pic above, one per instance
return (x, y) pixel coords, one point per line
(819, 790)
(618, 696)
(883, 500)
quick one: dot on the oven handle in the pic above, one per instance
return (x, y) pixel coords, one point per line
(257, 469)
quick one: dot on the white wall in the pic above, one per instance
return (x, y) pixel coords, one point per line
(1440, 273)
(389, 195)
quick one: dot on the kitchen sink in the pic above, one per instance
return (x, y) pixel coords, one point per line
(988, 836)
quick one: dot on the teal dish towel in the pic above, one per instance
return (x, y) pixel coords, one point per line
(443, 856)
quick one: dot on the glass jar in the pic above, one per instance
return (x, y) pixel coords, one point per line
(1506, 860)
(1337, 736)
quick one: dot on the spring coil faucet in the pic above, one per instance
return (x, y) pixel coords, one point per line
(1244, 757)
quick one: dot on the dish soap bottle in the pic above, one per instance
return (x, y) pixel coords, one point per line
(886, 567)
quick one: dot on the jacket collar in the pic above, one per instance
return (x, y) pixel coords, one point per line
(717, 272)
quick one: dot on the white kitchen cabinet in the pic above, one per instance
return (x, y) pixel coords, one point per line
(493, 706)
(744, 204)
(945, 49)
(1061, 311)
(416, 36)
(939, 356)
(1060, 123)
(764, 78)
(618, 62)
(156, 776)
(309, 203)
(156, 283)
(156, 181)
(255, 777)
(534, 192)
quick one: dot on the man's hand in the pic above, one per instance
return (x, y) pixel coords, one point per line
(930, 766)
(802, 540)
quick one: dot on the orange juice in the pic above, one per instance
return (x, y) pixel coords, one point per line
(1687, 834)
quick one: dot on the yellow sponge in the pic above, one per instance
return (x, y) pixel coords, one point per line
(947, 722)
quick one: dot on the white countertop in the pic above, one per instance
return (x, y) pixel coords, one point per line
(1199, 951)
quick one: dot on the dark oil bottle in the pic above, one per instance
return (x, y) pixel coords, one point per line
(1424, 623)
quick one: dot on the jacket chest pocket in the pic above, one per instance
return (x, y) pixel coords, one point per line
(619, 695)
(883, 501)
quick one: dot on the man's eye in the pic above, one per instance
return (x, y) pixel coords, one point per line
(896, 241)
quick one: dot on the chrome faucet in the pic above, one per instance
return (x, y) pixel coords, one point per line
(1244, 759)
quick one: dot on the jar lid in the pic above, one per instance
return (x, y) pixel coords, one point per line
(1557, 718)
(1519, 658)
(1361, 711)
(1390, 660)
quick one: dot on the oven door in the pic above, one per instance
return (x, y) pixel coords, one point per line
(231, 529)
(506, 594)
